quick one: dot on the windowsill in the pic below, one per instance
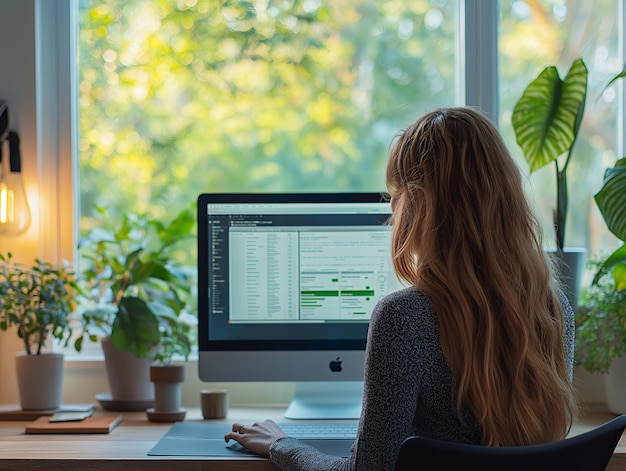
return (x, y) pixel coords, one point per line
(81, 359)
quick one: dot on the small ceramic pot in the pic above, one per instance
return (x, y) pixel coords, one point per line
(168, 384)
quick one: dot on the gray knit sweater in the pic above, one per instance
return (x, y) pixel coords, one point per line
(407, 390)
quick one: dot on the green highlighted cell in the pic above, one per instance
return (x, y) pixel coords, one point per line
(319, 293)
(358, 293)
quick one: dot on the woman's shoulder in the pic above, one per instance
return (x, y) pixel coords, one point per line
(408, 297)
(402, 319)
(409, 304)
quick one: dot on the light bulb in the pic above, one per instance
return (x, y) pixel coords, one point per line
(14, 211)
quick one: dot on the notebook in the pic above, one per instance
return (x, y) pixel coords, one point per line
(93, 424)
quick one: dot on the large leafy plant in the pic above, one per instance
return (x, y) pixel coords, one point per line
(38, 300)
(602, 317)
(138, 292)
(546, 120)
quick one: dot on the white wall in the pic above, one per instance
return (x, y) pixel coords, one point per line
(83, 380)
(18, 89)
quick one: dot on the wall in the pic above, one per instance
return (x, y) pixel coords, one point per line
(84, 379)
(18, 89)
(19, 63)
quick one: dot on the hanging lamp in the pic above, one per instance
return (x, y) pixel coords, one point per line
(14, 211)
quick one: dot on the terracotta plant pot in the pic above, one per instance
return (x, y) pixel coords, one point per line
(168, 383)
(40, 380)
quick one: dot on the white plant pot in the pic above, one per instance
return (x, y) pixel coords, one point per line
(128, 375)
(615, 384)
(40, 380)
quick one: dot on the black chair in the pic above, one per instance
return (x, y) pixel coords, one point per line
(589, 451)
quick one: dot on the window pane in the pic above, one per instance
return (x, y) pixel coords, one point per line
(533, 35)
(183, 97)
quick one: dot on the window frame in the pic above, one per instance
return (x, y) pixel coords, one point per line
(56, 66)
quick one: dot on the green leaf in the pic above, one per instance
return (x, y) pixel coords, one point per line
(150, 269)
(547, 117)
(611, 199)
(617, 77)
(180, 228)
(619, 275)
(136, 328)
(615, 259)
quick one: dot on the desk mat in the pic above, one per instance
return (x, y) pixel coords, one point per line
(207, 439)
(196, 439)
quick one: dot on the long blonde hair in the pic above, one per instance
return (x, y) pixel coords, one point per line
(464, 234)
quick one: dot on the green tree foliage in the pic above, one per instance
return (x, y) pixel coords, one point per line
(180, 97)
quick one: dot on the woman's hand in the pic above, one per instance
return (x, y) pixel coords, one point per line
(258, 437)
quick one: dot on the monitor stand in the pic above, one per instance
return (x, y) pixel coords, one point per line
(326, 400)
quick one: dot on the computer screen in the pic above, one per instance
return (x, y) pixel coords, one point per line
(286, 287)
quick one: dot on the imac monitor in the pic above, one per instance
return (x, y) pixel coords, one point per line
(286, 287)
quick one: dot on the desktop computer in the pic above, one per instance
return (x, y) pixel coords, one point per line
(286, 287)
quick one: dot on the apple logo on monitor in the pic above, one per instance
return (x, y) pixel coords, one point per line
(335, 365)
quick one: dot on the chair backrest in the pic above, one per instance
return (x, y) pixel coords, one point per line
(589, 451)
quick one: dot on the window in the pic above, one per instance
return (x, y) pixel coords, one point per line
(180, 97)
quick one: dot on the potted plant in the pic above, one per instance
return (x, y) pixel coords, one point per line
(601, 319)
(167, 377)
(137, 289)
(546, 120)
(39, 301)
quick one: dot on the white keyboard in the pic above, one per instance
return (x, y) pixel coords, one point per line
(320, 430)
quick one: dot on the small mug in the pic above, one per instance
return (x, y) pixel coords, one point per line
(214, 404)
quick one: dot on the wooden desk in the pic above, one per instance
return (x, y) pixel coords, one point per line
(126, 447)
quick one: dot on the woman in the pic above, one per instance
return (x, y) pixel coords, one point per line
(479, 348)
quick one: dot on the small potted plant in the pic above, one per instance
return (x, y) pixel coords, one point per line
(136, 287)
(546, 120)
(176, 335)
(39, 302)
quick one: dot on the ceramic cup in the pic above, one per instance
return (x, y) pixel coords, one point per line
(214, 404)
